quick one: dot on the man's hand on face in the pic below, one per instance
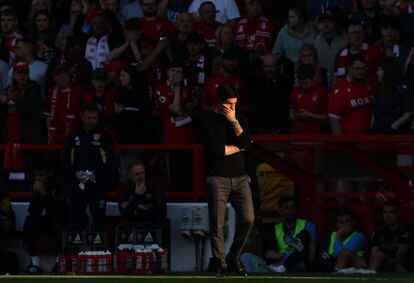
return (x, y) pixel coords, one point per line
(227, 112)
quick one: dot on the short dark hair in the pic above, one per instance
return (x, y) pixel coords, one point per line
(207, 3)
(196, 37)
(355, 23)
(40, 163)
(225, 92)
(89, 107)
(284, 200)
(9, 13)
(137, 162)
(305, 71)
(356, 58)
(233, 53)
(389, 22)
(133, 24)
(392, 203)
(27, 41)
(301, 13)
(344, 211)
(99, 75)
(175, 64)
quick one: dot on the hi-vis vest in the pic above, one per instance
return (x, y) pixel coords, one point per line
(332, 243)
(280, 235)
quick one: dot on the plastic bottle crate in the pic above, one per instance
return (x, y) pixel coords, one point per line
(67, 263)
(94, 263)
(124, 262)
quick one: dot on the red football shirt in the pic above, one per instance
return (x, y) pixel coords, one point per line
(177, 128)
(209, 33)
(352, 104)
(157, 28)
(314, 101)
(210, 95)
(254, 36)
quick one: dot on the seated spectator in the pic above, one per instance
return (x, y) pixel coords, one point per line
(357, 46)
(390, 41)
(271, 102)
(132, 107)
(229, 75)
(43, 213)
(370, 18)
(254, 32)
(293, 35)
(206, 24)
(179, 43)
(62, 105)
(393, 103)
(308, 103)
(21, 109)
(139, 199)
(350, 104)
(343, 249)
(37, 69)
(308, 55)
(9, 35)
(226, 10)
(197, 66)
(392, 242)
(328, 43)
(102, 97)
(289, 245)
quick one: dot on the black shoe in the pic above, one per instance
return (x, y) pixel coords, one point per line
(221, 272)
(237, 267)
(33, 270)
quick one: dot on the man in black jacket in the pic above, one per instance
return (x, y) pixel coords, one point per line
(89, 164)
(225, 136)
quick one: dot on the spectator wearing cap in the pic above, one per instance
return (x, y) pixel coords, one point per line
(98, 46)
(197, 65)
(153, 26)
(185, 25)
(351, 102)
(9, 35)
(328, 42)
(21, 108)
(293, 35)
(132, 107)
(229, 74)
(102, 97)
(226, 10)
(370, 18)
(128, 51)
(255, 33)
(357, 46)
(207, 24)
(37, 69)
(272, 89)
(309, 103)
(62, 105)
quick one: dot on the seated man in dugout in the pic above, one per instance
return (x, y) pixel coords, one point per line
(289, 245)
(343, 249)
(391, 242)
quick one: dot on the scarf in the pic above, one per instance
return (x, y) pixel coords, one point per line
(97, 52)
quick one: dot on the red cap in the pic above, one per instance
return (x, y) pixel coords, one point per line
(114, 66)
(20, 66)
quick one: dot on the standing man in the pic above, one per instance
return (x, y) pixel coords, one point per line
(225, 136)
(89, 164)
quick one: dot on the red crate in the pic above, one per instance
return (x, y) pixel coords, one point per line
(66, 263)
(92, 264)
(124, 262)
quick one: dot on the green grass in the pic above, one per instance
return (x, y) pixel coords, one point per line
(299, 278)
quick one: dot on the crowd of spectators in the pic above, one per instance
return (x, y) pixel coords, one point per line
(303, 67)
